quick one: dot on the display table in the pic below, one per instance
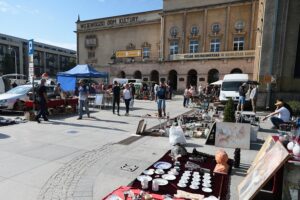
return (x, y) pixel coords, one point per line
(54, 103)
(220, 182)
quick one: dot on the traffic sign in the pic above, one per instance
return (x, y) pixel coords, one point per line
(30, 47)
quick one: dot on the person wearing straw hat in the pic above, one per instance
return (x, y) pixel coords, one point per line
(283, 113)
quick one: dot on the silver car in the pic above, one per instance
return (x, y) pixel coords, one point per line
(15, 98)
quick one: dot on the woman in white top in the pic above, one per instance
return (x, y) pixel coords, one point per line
(283, 113)
(127, 98)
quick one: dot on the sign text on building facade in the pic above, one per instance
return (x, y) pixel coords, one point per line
(109, 22)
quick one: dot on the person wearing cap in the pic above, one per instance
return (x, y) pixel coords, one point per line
(283, 113)
(83, 99)
(242, 97)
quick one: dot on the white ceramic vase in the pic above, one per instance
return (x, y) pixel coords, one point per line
(290, 146)
(296, 150)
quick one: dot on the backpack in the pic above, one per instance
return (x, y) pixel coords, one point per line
(161, 92)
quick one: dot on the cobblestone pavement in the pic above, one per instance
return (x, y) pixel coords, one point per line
(63, 183)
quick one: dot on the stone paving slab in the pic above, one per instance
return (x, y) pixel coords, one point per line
(80, 159)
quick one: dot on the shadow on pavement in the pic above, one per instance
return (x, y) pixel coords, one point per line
(268, 130)
(192, 145)
(83, 125)
(241, 171)
(104, 120)
(4, 136)
(256, 145)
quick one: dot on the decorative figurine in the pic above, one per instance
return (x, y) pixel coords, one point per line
(221, 159)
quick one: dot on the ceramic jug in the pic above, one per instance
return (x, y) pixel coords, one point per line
(296, 150)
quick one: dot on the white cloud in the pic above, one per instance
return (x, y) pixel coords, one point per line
(15, 9)
(7, 8)
(58, 44)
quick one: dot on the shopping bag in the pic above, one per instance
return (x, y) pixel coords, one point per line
(131, 103)
(176, 135)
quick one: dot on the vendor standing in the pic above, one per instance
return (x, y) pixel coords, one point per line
(43, 100)
(283, 113)
(83, 99)
(57, 90)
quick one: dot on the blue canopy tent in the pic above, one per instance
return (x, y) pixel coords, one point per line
(68, 79)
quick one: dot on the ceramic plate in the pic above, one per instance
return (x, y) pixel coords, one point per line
(208, 185)
(194, 187)
(181, 185)
(195, 183)
(159, 171)
(206, 181)
(183, 181)
(161, 181)
(169, 177)
(162, 165)
(207, 190)
(140, 178)
(149, 172)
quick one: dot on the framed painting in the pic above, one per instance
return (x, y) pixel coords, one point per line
(269, 143)
(233, 135)
(140, 126)
(262, 172)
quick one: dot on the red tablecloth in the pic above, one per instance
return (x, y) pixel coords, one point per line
(53, 103)
(220, 183)
(120, 193)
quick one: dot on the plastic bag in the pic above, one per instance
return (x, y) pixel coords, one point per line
(176, 135)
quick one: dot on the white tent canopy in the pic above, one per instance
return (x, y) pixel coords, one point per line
(219, 82)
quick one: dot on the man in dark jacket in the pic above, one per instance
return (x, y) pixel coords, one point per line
(43, 100)
(116, 96)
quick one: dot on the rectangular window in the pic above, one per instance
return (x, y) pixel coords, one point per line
(194, 46)
(173, 47)
(238, 43)
(297, 63)
(146, 52)
(215, 45)
(91, 54)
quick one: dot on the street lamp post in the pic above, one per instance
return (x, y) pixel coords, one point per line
(16, 69)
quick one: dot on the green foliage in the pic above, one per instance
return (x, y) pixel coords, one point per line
(295, 105)
(229, 111)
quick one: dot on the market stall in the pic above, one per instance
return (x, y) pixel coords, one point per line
(192, 174)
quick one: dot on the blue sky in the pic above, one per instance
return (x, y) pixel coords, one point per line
(53, 21)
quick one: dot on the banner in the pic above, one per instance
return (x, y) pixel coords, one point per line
(129, 53)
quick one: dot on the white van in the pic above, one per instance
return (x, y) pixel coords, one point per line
(230, 86)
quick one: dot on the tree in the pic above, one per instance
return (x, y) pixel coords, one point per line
(229, 111)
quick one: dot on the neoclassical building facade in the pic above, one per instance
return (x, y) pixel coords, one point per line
(192, 42)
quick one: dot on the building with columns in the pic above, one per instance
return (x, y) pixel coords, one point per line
(47, 58)
(192, 42)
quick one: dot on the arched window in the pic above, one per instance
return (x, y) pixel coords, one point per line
(137, 75)
(172, 79)
(121, 74)
(236, 71)
(213, 76)
(192, 78)
(154, 76)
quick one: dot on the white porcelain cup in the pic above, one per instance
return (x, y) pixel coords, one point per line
(145, 183)
(155, 186)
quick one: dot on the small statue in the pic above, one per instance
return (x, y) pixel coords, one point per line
(221, 159)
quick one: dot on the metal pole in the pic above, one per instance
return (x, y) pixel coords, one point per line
(16, 70)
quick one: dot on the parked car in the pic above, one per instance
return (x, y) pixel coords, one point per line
(15, 98)
(7, 80)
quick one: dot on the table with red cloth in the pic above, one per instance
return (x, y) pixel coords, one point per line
(54, 103)
(220, 182)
